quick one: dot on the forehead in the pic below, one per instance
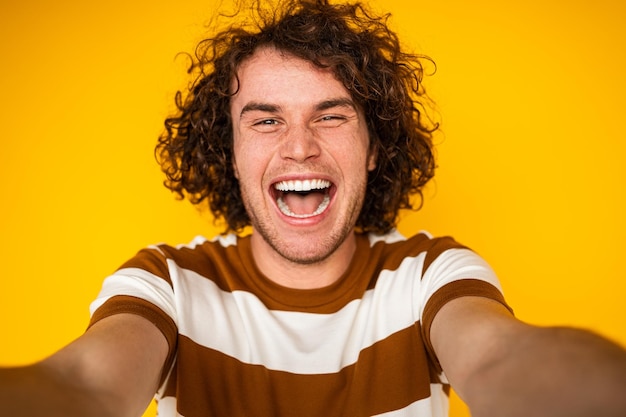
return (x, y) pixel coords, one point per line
(274, 76)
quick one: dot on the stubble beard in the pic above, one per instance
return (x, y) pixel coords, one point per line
(316, 251)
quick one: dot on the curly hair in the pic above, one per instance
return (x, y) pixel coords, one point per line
(195, 150)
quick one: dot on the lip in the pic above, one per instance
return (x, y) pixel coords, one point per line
(274, 194)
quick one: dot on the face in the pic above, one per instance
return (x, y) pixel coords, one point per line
(301, 155)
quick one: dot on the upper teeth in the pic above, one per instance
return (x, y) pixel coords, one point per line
(298, 185)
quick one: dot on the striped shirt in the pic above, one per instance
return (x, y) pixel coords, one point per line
(241, 345)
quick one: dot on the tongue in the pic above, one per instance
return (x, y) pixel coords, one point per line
(303, 203)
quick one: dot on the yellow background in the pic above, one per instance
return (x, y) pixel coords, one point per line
(532, 153)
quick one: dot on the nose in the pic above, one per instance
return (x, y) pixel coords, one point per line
(300, 144)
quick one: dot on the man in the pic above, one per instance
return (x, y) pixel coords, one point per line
(312, 130)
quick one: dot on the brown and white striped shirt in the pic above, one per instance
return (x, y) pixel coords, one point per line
(241, 345)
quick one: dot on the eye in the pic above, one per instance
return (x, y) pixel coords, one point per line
(266, 122)
(331, 120)
(332, 117)
(266, 125)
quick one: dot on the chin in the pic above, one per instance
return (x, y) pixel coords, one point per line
(305, 256)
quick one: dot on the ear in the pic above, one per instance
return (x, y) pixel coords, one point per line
(372, 158)
(235, 170)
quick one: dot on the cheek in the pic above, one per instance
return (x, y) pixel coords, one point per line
(362, 155)
(248, 164)
(241, 158)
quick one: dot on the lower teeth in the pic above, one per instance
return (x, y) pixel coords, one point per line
(284, 208)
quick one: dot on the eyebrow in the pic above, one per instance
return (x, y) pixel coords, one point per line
(335, 102)
(273, 108)
(255, 106)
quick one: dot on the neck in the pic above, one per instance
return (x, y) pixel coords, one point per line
(302, 275)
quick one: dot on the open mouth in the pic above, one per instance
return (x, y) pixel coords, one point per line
(302, 199)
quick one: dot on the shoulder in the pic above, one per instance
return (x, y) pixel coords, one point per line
(158, 259)
(394, 248)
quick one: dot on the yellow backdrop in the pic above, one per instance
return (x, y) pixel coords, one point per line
(532, 155)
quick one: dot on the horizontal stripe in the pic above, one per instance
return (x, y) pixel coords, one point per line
(435, 406)
(151, 260)
(138, 283)
(390, 375)
(240, 326)
(233, 268)
(229, 263)
(437, 247)
(452, 265)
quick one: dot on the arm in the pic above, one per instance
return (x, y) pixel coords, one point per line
(502, 367)
(111, 370)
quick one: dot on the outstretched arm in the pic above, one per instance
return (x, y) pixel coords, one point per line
(502, 367)
(111, 370)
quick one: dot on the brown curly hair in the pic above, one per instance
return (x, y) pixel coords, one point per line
(196, 148)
